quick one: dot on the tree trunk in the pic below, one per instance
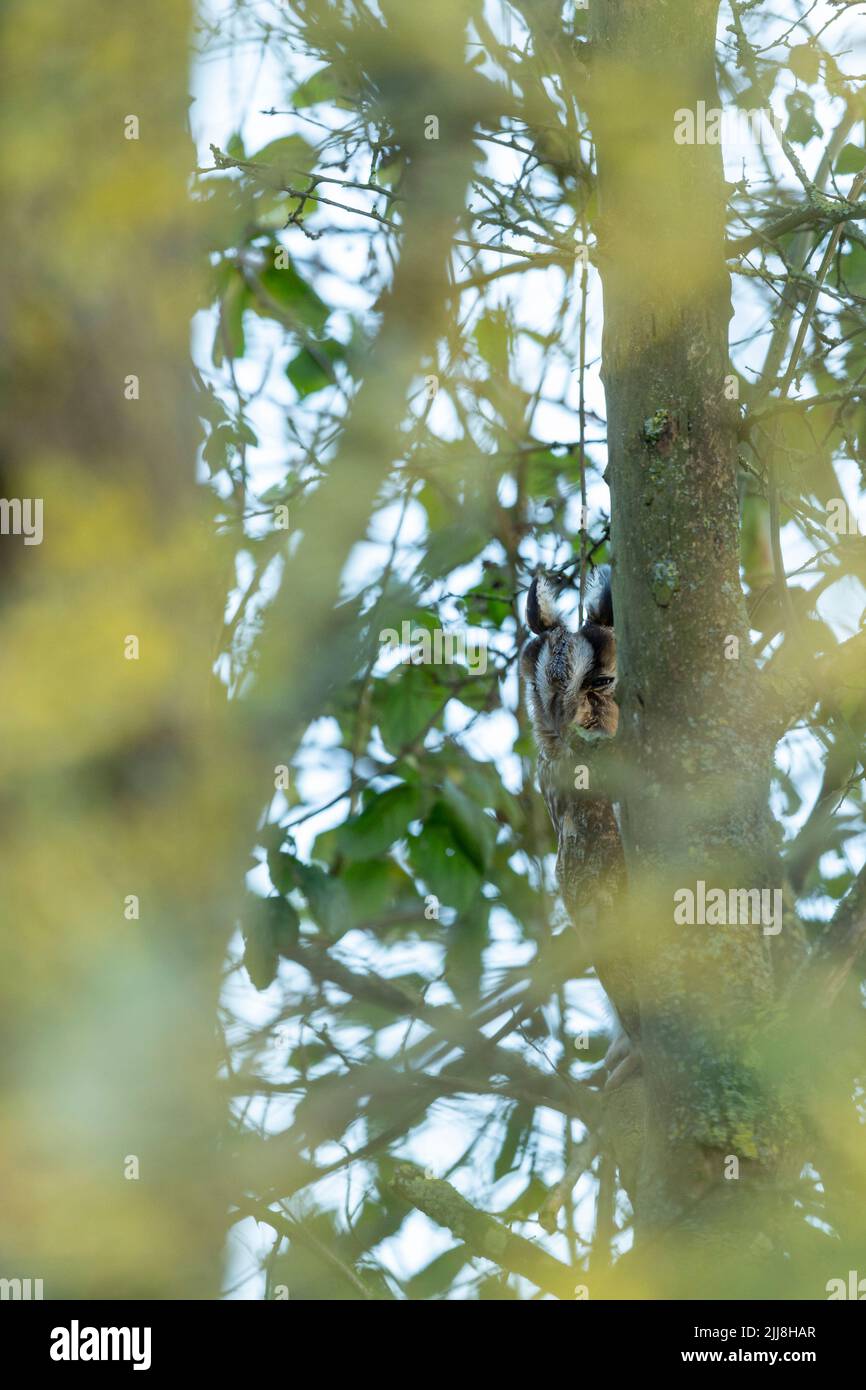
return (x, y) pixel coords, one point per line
(693, 737)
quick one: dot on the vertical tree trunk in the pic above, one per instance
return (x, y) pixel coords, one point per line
(692, 735)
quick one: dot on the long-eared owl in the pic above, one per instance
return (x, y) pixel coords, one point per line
(571, 679)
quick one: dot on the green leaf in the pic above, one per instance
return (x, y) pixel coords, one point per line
(313, 369)
(325, 845)
(483, 783)
(374, 885)
(437, 505)
(327, 898)
(229, 337)
(225, 439)
(398, 605)
(284, 162)
(464, 951)
(751, 97)
(448, 549)
(406, 701)
(517, 1133)
(437, 1277)
(444, 867)
(474, 831)
(305, 1269)
(328, 84)
(271, 925)
(495, 1289)
(544, 470)
(381, 1216)
(325, 893)
(527, 1203)
(492, 338)
(293, 294)
(308, 1055)
(804, 62)
(481, 608)
(802, 123)
(850, 160)
(220, 442)
(383, 822)
(322, 86)
(231, 214)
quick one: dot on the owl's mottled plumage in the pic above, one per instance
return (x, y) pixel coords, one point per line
(571, 679)
(571, 675)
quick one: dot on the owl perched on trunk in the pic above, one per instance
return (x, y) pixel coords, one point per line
(571, 677)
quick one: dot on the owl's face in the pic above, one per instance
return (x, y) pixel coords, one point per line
(571, 675)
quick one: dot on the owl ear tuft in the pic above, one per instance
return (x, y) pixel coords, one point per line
(542, 612)
(599, 604)
(529, 658)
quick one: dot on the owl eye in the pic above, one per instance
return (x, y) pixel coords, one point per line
(601, 683)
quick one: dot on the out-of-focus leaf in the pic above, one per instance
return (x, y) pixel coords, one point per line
(452, 547)
(283, 163)
(270, 925)
(492, 337)
(530, 1201)
(489, 602)
(438, 507)
(406, 701)
(804, 62)
(437, 1277)
(803, 124)
(308, 1056)
(850, 160)
(464, 953)
(312, 370)
(517, 1132)
(322, 86)
(291, 292)
(445, 869)
(383, 822)
(327, 898)
(495, 1289)
(325, 893)
(376, 885)
(229, 340)
(381, 1215)
(329, 84)
(474, 831)
(226, 438)
(320, 1267)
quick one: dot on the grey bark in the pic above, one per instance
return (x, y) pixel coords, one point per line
(693, 735)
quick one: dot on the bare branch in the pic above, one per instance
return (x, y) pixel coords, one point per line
(484, 1235)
